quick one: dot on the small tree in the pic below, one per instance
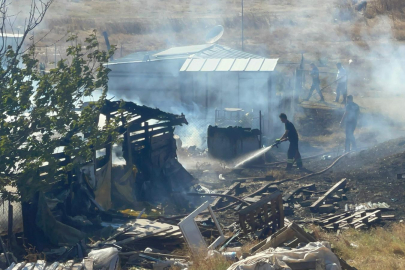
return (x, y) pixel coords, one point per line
(38, 114)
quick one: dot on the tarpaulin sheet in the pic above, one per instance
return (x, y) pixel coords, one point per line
(102, 190)
(275, 259)
(124, 186)
(58, 233)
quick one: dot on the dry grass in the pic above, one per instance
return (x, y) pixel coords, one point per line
(217, 262)
(380, 248)
(390, 5)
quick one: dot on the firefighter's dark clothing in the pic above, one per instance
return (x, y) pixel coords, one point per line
(293, 154)
(342, 85)
(315, 84)
(352, 112)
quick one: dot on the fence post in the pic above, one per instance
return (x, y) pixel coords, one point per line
(260, 126)
(55, 55)
(10, 224)
(298, 85)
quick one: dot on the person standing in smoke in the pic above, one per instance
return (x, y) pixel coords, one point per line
(349, 119)
(341, 79)
(290, 134)
(315, 83)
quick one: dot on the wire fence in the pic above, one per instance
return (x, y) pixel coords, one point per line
(10, 213)
(195, 133)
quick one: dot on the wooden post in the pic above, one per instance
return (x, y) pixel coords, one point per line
(260, 126)
(298, 86)
(147, 140)
(70, 183)
(127, 150)
(206, 95)
(10, 224)
(238, 92)
(55, 55)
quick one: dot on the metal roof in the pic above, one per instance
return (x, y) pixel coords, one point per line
(183, 50)
(237, 64)
(205, 51)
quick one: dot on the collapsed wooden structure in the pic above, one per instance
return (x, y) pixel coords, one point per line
(151, 172)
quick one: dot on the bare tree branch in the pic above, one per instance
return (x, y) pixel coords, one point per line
(35, 16)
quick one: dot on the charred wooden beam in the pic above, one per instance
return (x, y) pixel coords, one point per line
(314, 207)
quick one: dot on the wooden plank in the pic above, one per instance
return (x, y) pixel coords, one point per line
(260, 203)
(151, 133)
(333, 218)
(348, 219)
(338, 185)
(255, 199)
(295, 191)
(362, 219)
(143, 236)
(88, 264)
(138, 126)
(226, 192)
(172, 256)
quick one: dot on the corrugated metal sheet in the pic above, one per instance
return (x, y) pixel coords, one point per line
(225, 64)
(185, 65)
(185, 50)
(210, 65)
(240, 64)
(205, 51)
(218, 51)
(254, 65)
(269, 65)
(230, 64)
(196, 65)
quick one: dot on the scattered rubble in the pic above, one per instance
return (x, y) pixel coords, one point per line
(103, 221)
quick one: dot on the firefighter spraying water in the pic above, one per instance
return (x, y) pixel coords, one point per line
(293, 154)
(257, 154)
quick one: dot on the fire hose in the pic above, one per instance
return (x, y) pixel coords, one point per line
(263, 188)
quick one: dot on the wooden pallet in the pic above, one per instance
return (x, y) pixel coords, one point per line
(355, 220)
(267, 212)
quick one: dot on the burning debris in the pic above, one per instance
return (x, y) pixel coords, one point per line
(134, 205)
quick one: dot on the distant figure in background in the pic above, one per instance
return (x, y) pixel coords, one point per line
(315, 83)
(291, 135)
(349, 119)
(342, 83)
(359, 6)
(42, 68)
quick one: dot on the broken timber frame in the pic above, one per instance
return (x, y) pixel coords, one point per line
(315, 206)
(226, 192)
(257, 215)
